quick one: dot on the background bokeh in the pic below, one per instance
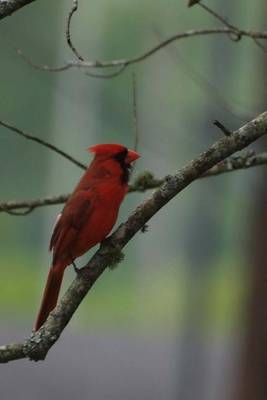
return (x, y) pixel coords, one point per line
(170, 322)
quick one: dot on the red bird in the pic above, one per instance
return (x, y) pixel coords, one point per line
(88, 216)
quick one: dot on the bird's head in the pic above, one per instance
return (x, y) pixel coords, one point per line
(115, 155)
(113, 150)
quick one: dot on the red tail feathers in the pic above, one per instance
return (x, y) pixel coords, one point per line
(50, 295)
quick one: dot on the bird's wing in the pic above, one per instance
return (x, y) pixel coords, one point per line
(74, 216)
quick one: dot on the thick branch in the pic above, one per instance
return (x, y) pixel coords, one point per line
(145, 181)
(37, 346)
(7, 7)
(32, 204)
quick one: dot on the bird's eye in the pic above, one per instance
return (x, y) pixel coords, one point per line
(120, 157)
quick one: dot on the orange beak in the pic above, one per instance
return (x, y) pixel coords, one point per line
(131, 156)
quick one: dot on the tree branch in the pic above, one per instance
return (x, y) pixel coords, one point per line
(43, 143)
(7, 7)
(143, 182)
(68, 35)
(125, 62)
(37, 346)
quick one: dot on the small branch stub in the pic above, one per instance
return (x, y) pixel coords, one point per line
(192, 2)
(225, 131)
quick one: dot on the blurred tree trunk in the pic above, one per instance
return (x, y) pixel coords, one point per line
(253, 378)
(253, 383)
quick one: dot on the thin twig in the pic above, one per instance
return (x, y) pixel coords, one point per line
(147, 54)
(260, 45)
(220, 18)
(143, 182)
(9, 206)
(238, 32)
(236, 36)
(68, 34)
(43, 143)
(28, 210)
(225, 130)
(107, 76)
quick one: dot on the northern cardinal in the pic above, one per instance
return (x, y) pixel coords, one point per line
(88, 216)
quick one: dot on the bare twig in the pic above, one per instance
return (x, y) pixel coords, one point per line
(220, 18)
(43, 143)
(39, 343)
(238, 33)
(10, 206)
(22, 213)
(145, 181)
(225, 130)
(260, 45)
(8, 7)
(125, 62)
(68, 35)
(107, 76)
